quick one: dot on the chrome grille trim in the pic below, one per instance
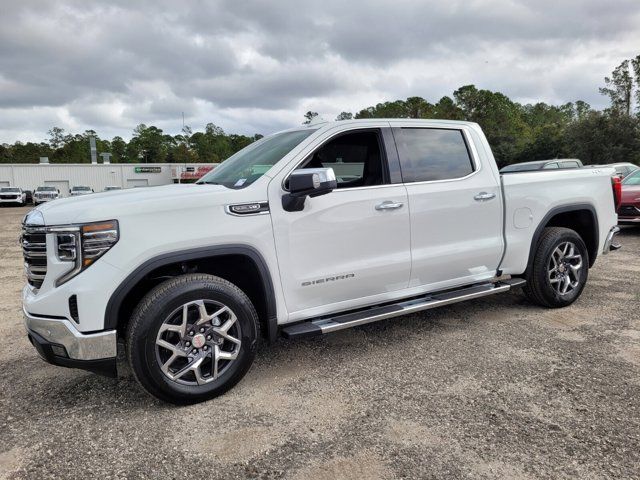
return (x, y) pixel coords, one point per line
(34, 250)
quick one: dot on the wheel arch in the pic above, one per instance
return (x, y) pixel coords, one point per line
(580, 217)
(240, 264)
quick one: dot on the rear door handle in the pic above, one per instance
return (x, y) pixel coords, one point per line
(389, 205)
(483, 196)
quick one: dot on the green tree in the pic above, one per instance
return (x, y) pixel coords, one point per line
(149, 144)
(605, 138)
(619, 88)
(309, 116)
(118, 150)
(344, 116)
(56, 137)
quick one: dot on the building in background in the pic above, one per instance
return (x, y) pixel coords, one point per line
(63, 176)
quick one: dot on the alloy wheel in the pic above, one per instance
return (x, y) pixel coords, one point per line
(198, 342)
(564, 268)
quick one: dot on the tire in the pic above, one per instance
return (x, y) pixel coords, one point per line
(560, 268)
(161, 339)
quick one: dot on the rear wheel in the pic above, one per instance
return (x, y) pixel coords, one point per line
(560, 268)
(192, 338)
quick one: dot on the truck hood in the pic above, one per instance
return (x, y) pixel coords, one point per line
(152, 200)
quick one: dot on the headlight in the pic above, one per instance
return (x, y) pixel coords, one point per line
(83, 245)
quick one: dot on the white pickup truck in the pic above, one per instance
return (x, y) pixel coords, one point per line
(302, 233)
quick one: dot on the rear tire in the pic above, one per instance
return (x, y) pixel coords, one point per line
(192, 338)
(560, 268)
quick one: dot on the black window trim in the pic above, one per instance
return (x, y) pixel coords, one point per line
(389, 174)
(473, 156)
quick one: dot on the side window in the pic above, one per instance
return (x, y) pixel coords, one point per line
(570, 165)
(356, 159)
(433, 154)
(549, 166)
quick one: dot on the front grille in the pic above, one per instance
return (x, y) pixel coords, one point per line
(628, 210)
(34, 249)
(8, 197)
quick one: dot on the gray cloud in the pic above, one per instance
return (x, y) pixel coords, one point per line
(258, 66)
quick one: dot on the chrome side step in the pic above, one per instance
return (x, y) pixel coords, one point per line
(352, 319)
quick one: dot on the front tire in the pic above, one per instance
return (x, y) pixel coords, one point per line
(560, 268)
(192, 338)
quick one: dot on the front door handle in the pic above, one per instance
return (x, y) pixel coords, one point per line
(482, 196)
(389, 205)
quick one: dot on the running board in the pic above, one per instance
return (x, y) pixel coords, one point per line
(347, 320)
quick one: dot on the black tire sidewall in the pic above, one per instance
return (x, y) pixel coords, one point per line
(546, 289)
(143, 355)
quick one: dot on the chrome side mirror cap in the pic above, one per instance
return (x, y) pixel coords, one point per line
(308, 182)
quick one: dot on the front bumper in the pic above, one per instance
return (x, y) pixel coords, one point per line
(11, 200)
(60, 343)
(609, 243)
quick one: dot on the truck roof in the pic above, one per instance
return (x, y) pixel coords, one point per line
(359, 121)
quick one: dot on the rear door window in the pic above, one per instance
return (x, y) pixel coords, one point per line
(428, 154)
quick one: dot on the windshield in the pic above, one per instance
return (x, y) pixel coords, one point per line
(632, 178)
(46, 189)
(9, 190)
(250, 163)
(81, 188)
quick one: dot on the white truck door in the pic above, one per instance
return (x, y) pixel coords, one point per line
(455, 205)
(351, 246)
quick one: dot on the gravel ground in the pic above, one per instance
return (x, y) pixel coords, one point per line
(495, 388)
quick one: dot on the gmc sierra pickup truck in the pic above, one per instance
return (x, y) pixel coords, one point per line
(302, 233)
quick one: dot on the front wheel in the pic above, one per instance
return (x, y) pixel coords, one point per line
(560, 268)
(192, 338)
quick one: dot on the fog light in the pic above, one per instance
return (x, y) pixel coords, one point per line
(59, 351)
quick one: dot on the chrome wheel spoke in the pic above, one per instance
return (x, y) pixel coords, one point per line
(173, 348)
(223, 331)
(202, 310)
(191, 366)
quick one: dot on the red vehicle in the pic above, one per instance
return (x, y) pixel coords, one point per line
(629, 210)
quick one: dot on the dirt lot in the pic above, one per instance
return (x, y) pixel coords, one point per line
(495, 388)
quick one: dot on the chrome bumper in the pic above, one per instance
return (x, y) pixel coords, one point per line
(78, 346)
(608, 243)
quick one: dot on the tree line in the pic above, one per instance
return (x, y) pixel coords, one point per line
(516, 132)
(149, 144)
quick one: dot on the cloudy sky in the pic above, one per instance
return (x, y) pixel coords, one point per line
(257, 66)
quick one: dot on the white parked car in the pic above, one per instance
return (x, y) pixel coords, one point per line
(271, 243)
(79, 190)
(12, 195)
(45, 194)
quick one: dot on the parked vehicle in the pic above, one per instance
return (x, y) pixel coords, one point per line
(555, 164)
(621, 169)
(28, 197)
(45, 194)
(80, 190)
(629, 210)
(271, 243)
(111, 188)
(12, 196)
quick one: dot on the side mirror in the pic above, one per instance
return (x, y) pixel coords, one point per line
(309, 182)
